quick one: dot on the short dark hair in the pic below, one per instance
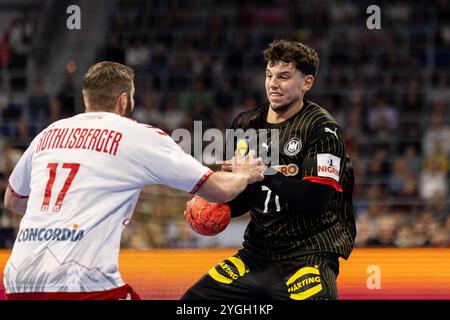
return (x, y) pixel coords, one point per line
(105, 81)
(304, 58)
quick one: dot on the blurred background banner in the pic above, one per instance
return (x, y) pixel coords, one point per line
(388, 87)
(370, 274)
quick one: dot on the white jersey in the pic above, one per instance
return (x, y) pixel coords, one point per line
(83, 176)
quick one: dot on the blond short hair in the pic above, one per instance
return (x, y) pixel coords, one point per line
(104, 82)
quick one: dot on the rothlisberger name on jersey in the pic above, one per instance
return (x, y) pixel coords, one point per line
(100, 140)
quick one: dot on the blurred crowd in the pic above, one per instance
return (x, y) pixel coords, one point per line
(201, 60)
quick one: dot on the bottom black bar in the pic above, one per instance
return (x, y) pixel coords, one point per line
(235, 310)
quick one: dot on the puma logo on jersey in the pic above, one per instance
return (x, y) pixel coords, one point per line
(331, 131)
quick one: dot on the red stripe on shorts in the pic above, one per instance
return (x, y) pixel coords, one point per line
(122, 293)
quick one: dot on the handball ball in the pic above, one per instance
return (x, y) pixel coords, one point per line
(207, 218)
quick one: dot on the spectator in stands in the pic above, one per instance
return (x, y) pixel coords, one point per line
(437, 135)
(9, 156)
(135, 237)
(173, 117)
(412, 104)
(137, 55)
(65, 99)
(411, 158)
(379, 166)
(5, 50)
(403, 185)
(147, 104)
(425, 222)
(39, 104)
(365, 235)
(433, 179)
(157, 235)
(182, 236)
(382, 113)
(407, 237)
(197, 96)
(20, 41)
(440, 237)
(113, 50)
(387, 224)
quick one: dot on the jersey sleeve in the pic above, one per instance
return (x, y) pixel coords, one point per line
(325, 157)
(20, 179)
(164, 162)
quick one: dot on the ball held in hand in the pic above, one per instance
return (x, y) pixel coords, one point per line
(207, 218)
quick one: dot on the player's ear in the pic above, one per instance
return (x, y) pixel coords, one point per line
(308, 83)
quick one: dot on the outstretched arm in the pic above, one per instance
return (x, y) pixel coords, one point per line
(225, 186)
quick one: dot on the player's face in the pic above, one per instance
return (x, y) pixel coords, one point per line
(285, 85)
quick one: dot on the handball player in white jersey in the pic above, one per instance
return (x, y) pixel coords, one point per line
(77, 185)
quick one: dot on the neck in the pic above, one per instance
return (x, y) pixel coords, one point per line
(278, 117)
(95, 109)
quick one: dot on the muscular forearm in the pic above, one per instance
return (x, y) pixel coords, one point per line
(223, 186)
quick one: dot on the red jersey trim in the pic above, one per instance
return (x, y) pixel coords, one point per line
(158, 130)
(328, 181)
(15, 193)
(202, 181)
(122, 293)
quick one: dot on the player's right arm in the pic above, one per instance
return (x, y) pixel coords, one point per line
(15, 202)
(18, 190)
(223, 186)
(164, 162)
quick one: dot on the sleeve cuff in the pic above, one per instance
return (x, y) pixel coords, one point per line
(15, 193)
(328, 181)
(202, 181)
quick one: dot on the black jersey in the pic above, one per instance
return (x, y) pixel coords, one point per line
(310, 148)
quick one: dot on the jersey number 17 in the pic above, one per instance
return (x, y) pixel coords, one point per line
(74, 167)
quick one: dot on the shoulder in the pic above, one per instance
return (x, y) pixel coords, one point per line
(319, 116)
(130, 126)
(320, 121)
(247, 119)
(144, 127)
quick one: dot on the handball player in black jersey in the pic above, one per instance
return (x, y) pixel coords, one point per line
(302, 217)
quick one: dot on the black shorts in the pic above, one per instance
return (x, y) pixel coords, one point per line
(245, 277)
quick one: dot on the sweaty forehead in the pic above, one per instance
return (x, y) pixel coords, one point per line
(280, 66)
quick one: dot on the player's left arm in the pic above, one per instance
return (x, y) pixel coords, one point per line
(321, 173)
